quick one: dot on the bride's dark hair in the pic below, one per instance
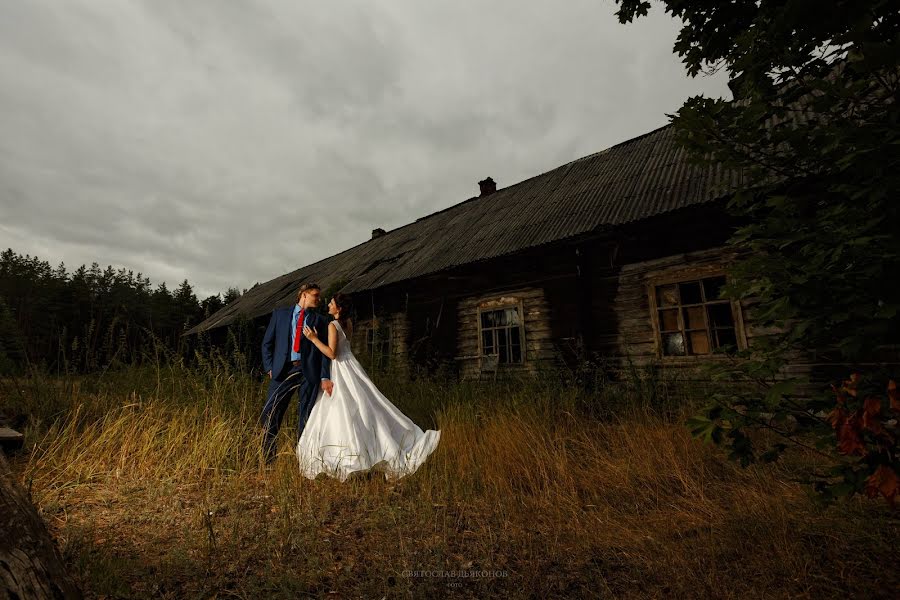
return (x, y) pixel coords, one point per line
(345, 305)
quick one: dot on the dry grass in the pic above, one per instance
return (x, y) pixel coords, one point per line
(152, 484)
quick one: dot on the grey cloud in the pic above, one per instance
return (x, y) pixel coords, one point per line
(229, 142)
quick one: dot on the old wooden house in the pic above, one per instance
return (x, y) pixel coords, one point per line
(617, 254)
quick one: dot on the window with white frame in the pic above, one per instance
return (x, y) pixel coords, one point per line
(501, 332)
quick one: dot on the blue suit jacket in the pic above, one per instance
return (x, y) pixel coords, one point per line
(276, 347)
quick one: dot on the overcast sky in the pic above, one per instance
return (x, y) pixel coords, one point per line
(228, 142)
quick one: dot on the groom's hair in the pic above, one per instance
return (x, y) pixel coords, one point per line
(306, 287)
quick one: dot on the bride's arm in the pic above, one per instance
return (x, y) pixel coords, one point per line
(331, 349)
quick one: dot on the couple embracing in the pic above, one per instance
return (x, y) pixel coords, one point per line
(346, 425)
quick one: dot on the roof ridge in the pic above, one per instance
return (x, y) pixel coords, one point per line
(622, 143)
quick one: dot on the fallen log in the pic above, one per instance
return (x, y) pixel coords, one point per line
(30, 563)
(10, 440)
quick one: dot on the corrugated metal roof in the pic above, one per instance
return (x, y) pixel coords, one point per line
(646, 176)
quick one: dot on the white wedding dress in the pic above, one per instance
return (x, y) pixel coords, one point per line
(357, 429)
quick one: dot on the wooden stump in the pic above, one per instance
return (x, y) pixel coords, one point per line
(30, 563)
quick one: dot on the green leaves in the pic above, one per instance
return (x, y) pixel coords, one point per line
(775, 396)
(631, 10)
(814, 132)
(704, 428)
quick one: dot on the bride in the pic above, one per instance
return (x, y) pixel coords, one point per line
(356, 428)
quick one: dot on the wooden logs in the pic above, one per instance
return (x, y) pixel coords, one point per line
(30, 563)
(10, 440)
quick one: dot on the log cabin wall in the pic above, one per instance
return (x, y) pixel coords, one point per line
(539, 285)
(432, 331)
(420, 318)
(651, 257)
(630, 328)
(380, 338)
(640, 339)
(638, 333)
(535, 332)
(383, 338)
(434, 318)
(591, 294)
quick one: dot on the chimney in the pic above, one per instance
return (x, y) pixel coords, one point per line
(488, 186)
(378, 233)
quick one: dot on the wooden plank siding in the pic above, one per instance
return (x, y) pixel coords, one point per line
(581, 296)
(441, 310)
(635, 335)
(591, 296)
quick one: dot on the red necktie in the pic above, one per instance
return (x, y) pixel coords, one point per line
(299, 332)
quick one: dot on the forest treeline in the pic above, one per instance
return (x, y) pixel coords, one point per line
(91, 318)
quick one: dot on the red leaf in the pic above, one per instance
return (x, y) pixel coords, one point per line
(849, 441)
(893, 394)
(837, 417)
(870, 411)
(850, 384)
(883, 481)
(872, 406)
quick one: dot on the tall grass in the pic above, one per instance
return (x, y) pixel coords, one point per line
(152, 481)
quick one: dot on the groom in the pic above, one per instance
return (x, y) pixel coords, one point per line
(293, 363)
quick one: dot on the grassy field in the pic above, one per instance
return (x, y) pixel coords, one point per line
(150, 480)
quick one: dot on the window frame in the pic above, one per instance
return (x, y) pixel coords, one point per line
(388, 340)
(679, 277)
(490, 306)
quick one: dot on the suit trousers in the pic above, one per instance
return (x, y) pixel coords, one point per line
(277, 401)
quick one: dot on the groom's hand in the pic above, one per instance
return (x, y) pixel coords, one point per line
(270, 373)
(328, 386)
